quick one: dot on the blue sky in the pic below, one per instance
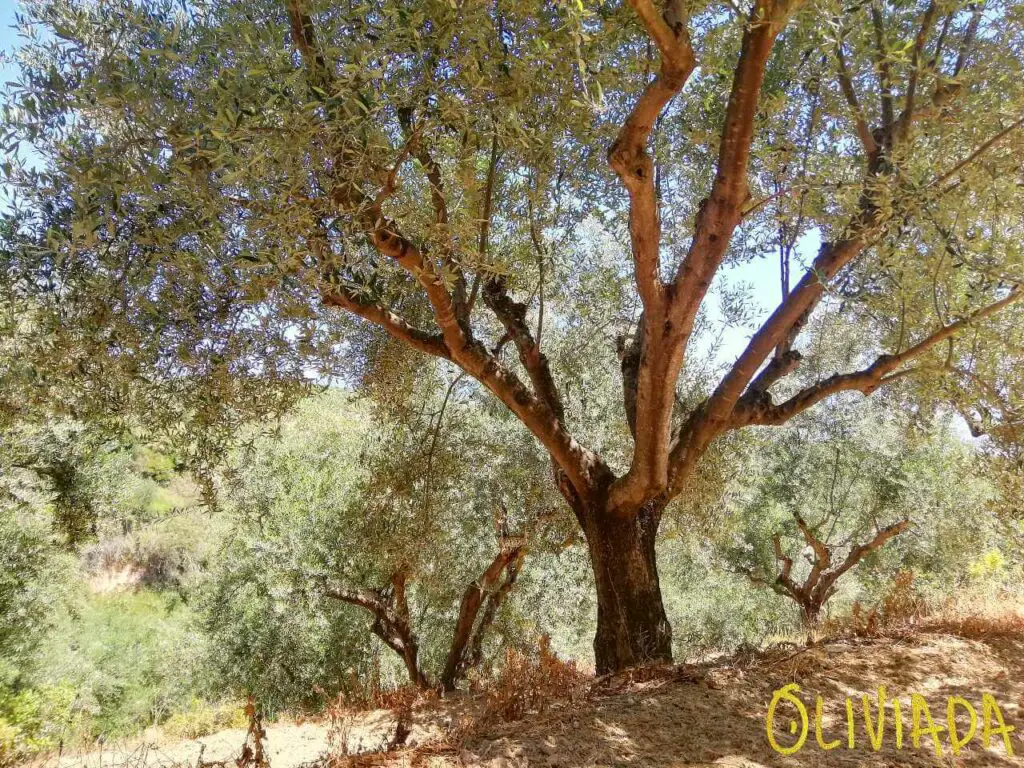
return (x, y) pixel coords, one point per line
(7, 35)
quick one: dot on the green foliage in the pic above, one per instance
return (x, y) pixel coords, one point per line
(131, 658)
(65, 469)
(190, 163)
(340, 501)
(173, 552)
(82, 653)
(195, 200)
(34, 720)
(31, 581)
(849, 475)
(200, 718)
(712, 609)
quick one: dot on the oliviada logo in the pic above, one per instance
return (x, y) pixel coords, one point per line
(885, 721)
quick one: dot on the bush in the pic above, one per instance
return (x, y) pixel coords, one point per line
(528, 682)
(35, 720)
(33, 579)
(202, 718)
(132, 659)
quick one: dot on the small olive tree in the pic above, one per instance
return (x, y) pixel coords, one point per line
(331, 513)
(835, 492)
(819, 584)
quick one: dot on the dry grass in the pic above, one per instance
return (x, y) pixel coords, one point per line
(903, 613)
(528, 683)
(901, 610)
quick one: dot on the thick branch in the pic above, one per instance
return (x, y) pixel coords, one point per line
(512, 315)
(382, 233)
(390, 621)
(778, 367)
(397, 327)
(882, 371)
(578, 464)
(628, 156)
(858, 553)
(440, 204)
(668, 326)
(466, 627)
(304, 36)
(884, 67)
(822, 555)
(785, 578)
(789, 318)
(720, 212)
(793, 312)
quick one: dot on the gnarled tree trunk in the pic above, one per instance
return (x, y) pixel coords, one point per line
(819, 585)
(632, 627)
(479, 606)
(487, 593)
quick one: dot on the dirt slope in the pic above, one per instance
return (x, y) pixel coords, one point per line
(708, 716)
(719, 720)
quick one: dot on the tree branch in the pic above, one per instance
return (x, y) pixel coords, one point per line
(907, 116)
(790, 314)
(884, 67)
(784, 578)
(485, 218)
(391, 621)
(304, 36)
(628, 155)
(512, 315)
(882, 371)
(440, 204)
(867, 140)
(480, 590)
(670, 311)
(858, 553)
(400, 329)
(822, 556)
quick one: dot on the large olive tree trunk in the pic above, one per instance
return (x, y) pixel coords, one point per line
(632, 628)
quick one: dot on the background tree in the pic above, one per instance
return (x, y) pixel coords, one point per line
(839, 488)
(209, 184)
(332, 516)
(65, 466)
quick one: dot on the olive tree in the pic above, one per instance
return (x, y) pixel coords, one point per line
(865, 488)
(217, 199)
(331, 512)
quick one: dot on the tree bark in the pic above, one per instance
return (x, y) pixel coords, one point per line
(486, 592)
(632, 627)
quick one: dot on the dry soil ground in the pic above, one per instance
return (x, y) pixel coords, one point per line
(697, 716)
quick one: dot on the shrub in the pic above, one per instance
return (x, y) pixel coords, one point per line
(35, 720)
(526, 683)
(202, 718)
(530, 682)
(132, 658)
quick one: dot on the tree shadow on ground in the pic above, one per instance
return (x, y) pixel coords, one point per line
(720, 719)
